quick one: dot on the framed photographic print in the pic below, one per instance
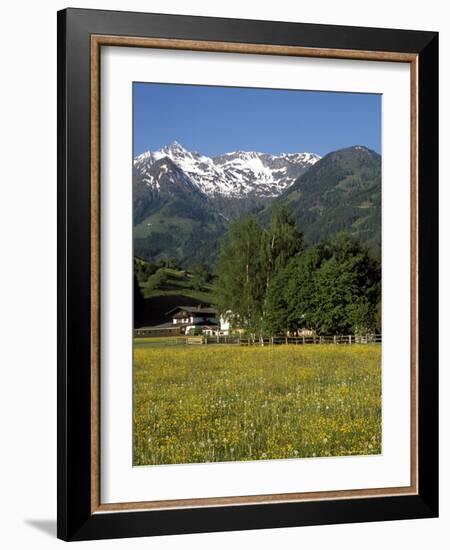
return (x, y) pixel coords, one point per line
(247, 274)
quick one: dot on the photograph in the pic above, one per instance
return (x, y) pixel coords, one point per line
(247, 255)
(257, 262)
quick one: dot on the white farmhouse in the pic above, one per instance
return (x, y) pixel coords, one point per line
(225, 323)
(190, 320)
(194, 319)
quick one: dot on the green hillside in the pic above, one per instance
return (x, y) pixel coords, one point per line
(187, 239)
(167, 288)
(175, 220)
(340, 192)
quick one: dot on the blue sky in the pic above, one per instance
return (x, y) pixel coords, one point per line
(214, 120)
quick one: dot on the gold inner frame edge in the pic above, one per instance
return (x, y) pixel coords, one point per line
(97, 41)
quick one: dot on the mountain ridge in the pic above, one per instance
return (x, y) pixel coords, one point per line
(183, 202)
(236, 174)
(341, 192)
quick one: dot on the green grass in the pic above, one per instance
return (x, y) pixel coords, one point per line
(177, 284)
(159, 223)
(200, 295)
(224, 403)
(159, 341)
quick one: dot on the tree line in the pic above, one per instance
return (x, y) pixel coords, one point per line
(267, 281)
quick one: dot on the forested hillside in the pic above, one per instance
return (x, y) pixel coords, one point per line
(183, 203)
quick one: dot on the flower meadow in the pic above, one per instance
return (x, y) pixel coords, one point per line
(218, 403)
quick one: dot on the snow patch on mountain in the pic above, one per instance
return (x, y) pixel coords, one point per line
(236, 174)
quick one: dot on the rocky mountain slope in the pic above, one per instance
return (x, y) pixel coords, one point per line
(183, 201)
(238, 174)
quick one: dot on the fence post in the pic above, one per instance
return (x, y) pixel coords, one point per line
(334, 339)
(349, 338)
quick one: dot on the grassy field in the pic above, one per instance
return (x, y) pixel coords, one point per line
(223, 403)
(177, 284)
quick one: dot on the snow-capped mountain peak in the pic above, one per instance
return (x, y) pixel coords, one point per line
(236, 174)
(174, 149)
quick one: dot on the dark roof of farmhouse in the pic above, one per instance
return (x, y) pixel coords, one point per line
(193, 309)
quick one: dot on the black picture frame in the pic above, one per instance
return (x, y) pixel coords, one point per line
(75, 518)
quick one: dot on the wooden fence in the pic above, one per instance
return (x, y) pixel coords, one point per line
(296, 340)
(272, 341)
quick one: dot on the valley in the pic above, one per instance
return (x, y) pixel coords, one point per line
(183, 202)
